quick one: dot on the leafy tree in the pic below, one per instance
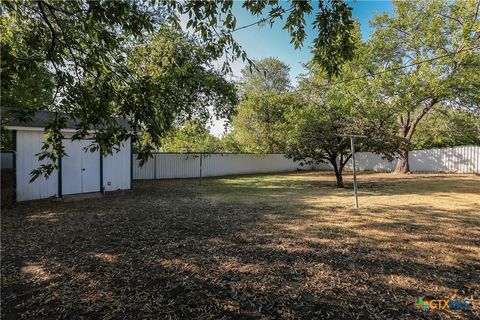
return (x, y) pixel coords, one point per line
(193, 136)
(328, 110)
(446, 35)
(260, 121)
(270, 75)
(76, 52)
(230, 143)
(215, 23)
(166, 79)
(180, 82)
(447, 128)
(26, 83)
(315, 129)
(260, 117)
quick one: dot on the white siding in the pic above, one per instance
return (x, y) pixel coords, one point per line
(459, 159)
(147, 171)
(368, 161)
(176, 166)
(116, 169)
(29, 144)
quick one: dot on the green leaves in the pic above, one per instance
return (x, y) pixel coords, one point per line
(260, 118)
(179, 83)
(447, 128)
(335, 43)
(441, 39)
(94, 61)
(193, 136)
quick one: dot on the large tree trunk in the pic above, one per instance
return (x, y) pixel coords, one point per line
(408, 126)
(403, 165)
(339, 177)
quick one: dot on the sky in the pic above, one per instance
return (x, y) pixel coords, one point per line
(261, 42)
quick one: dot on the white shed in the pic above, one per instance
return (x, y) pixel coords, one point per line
(80, 171)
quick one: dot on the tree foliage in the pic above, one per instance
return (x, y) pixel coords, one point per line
(270, 75)
(73, 57)
(326, 112)
(260, 118)
(447, 128)
(192, 136)
(181, 84)
(444, 34)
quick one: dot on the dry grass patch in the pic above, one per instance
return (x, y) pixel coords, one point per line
(253, 247)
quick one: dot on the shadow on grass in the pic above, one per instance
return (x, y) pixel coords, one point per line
(163, 251)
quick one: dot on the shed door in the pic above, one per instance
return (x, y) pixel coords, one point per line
(80, 168)
(90, 169)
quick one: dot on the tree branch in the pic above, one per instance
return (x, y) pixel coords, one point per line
(419, 117)
(52, 31)
(342, 164)
(65, 42)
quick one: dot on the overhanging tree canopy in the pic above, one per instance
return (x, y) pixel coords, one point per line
(72, 57)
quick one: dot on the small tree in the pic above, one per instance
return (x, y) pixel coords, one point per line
(314, 137)
(315, 129)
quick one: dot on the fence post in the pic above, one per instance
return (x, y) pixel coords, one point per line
(201, 163)
(155, 166)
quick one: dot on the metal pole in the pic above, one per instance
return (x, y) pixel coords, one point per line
(352, 144)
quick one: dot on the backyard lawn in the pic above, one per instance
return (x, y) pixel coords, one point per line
(253, 247)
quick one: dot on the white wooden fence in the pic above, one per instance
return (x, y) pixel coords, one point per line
(175, 165)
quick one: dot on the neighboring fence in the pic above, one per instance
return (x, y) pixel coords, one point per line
(194, 165)
(8, 180)
(457, 159)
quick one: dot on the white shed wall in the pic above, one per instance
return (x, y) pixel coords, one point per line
(116, 169)
(29, 144)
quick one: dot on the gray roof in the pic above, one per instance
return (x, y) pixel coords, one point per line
(42, 118)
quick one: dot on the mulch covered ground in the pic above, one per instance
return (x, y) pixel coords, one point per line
(267, 247)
